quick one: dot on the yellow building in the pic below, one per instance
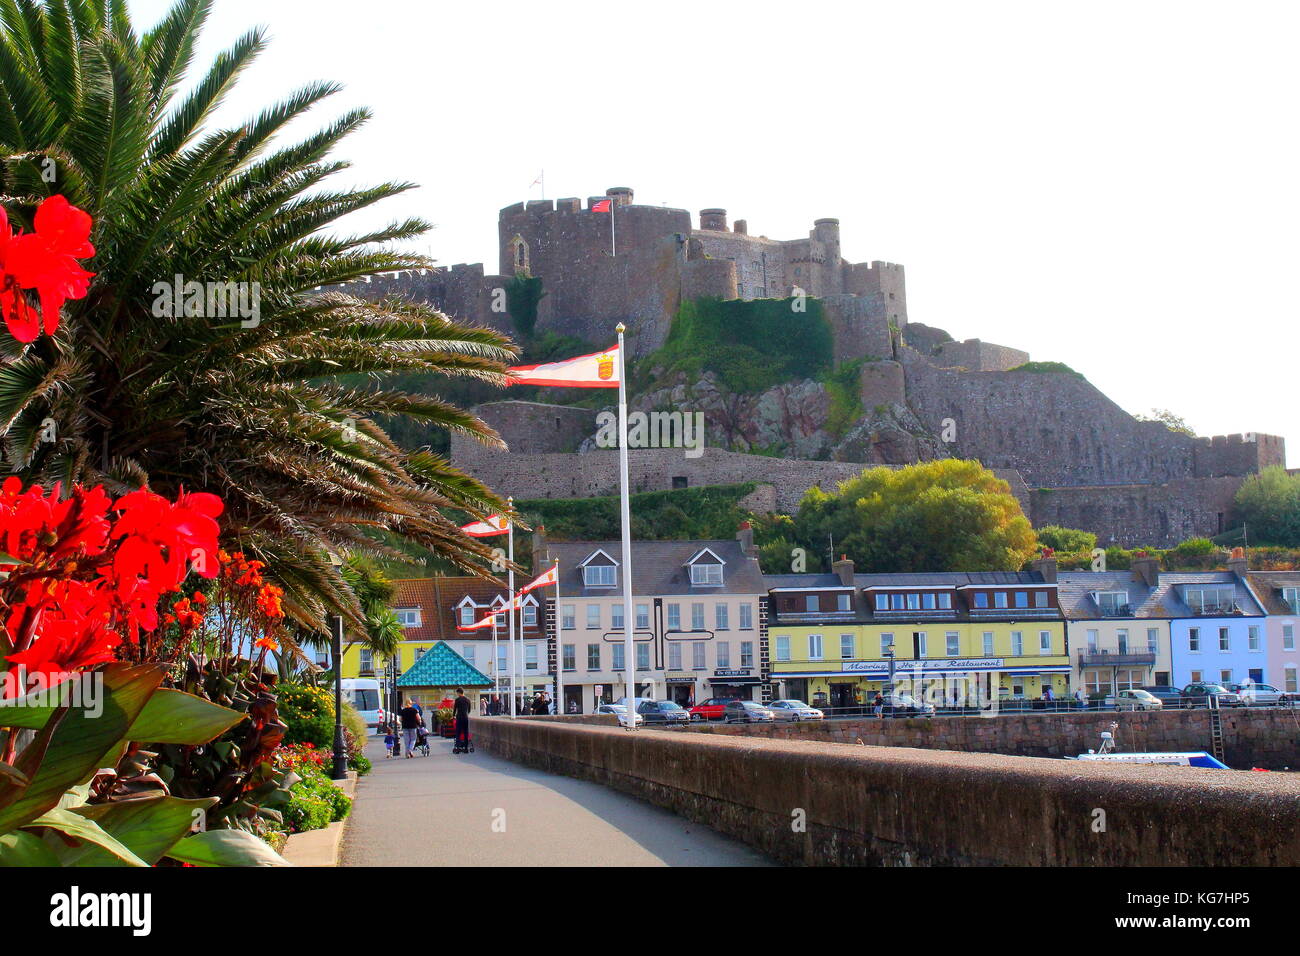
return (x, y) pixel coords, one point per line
(970, 638)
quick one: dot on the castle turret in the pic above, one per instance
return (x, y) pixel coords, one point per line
(715, 219)
(827, 230)
(622, 195)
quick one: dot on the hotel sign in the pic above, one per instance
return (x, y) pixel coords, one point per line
(732, 672)
(941, 664)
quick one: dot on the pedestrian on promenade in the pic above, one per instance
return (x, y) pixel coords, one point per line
(1080, 697)
(410, 716)
(390, 739)
(460, 712)
(482, 706)
(878, 705)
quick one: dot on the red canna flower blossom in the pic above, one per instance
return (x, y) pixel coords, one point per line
(44, 260)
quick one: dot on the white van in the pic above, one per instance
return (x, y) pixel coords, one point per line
(363, 694)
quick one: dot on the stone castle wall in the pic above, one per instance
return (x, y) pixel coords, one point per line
(977, 356)
(1155, 514)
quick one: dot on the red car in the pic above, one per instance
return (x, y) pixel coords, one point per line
(711, 709)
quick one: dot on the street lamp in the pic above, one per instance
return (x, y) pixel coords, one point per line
(335, 622)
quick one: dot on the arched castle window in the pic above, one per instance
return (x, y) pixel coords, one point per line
(519, 254)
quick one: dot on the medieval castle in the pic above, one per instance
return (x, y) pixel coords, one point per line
(1071, 455)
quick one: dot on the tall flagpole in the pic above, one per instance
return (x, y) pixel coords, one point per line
(625, 509)
(559, 648)
(496, 663)
(613, 251)
(510, 607)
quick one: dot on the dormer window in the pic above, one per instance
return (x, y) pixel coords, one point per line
(706, 570)
(1292, 598)
(466, 615)
(409, 616)
(1210, 600)
(1111, 602)
(845, 602)
(598, 576)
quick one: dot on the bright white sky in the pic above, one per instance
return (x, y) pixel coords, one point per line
(1110, 184)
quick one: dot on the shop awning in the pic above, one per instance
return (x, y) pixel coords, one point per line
(734, 680)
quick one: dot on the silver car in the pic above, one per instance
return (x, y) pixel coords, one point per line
(746, 712)
(794, 710)
(619, 711)
(1133, 699)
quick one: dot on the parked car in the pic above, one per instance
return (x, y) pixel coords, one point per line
(620, 712)
(905, 705)
(794, 710)
(1257, 695)
(746, 712)
(1171, 698)
(710, 709)
(662, 712)
(1133, 699)
(1198, 695)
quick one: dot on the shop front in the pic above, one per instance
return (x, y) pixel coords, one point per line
(738, 682)
(944, 682)
(680, 689)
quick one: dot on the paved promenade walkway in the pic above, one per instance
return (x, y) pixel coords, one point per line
(478, 810)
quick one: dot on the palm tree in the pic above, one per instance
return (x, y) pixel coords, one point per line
(250, 407)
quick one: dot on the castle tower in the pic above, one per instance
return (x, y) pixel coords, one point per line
(713, 219)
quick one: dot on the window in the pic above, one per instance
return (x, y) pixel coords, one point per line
(568, 617)
(981, 599)
(927, 602)
(1288, 637)
(467, 615)
(913, 602)
(1196, 677)
(945, 602)
(720, 617)
(1292, 597)
(1093, 635)
(598, 575)
(814, 647)
(1111, 602)
(1044, 642)
(1225, 676)
(367, 659)
(882, 602)
(952, 644)
(643, 656)
(1252, 637)
(502, 665)
(1017, 643)
(782, 647)
(886, 644)
(999, 598)
(1040, 599)
(674, 655)
(530, 615)
(569, 657)
(593, 616)
(697, 656)
(1209, 600)
(1290, 679)
(724, 654)
(746, 653)
(921, 648)
(467, 652)
(1153, 640)
(410, 617)
(988, 643)
(1225, 639)
(706, 575)
(697, 617)
(844, 602)
(811, 604)
(593, 657)
(846, 646)
(1194, 639)
(1121, 637)
(747, 617)
(617, 622)
(674, 617)
(643, 617)
(620, 657)
(530, 657)
(1022, 599)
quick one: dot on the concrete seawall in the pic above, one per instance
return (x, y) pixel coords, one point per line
(820, 803)
(1252, 737)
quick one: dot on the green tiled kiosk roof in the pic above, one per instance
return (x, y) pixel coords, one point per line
(440, 666)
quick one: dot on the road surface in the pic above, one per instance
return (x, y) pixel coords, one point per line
(479, 810)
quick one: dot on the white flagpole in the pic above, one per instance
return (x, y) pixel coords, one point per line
(625, 508)
(559, 648)
(510, 608)
(613, 251)
(496, 663)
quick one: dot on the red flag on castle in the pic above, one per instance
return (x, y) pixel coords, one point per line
(597, 370)
(495, 524)
(601, 205)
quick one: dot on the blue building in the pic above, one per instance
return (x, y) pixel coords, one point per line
(1218, 629)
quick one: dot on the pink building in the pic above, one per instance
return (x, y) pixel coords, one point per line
(1279, 594)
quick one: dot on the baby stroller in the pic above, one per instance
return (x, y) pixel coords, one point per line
(422, 741)
(464, 744)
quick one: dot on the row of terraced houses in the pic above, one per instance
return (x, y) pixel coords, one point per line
(708, 623)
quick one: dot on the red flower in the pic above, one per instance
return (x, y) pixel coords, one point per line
(44, 260)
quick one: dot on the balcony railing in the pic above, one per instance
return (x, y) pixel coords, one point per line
(815, 617)
(1216, 610)
(1116, 610)
(1095, 657)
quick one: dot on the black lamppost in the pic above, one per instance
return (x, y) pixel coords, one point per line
(340, 748)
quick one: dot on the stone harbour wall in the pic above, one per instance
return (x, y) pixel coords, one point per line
(817, 803)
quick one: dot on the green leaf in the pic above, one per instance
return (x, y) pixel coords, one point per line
(148, 827)
(75, 743)
(25, 849)
(226, 848)
(84, 831)
(175, 717)
(33, 711)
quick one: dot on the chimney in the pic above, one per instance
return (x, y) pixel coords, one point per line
(540, 556)
(1237, 563)
(1147, 570)
(843, 568)
(1046, 566)
(745, 535)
